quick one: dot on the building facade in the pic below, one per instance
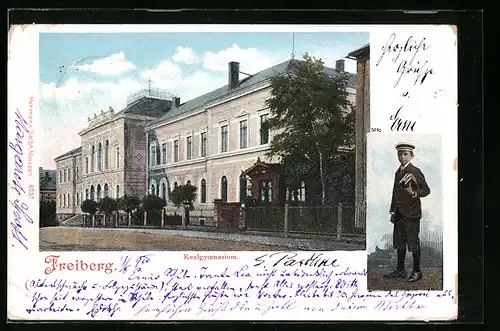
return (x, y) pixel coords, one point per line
(155, 144)
(111, 159)
(211, 140)
(362, 57)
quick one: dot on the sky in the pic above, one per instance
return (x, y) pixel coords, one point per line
(84, 73)
(382, 163)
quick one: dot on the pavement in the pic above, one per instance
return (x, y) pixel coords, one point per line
(308, 243)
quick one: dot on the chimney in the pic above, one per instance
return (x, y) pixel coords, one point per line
(340, 65)
(233, 76)
(176, 102)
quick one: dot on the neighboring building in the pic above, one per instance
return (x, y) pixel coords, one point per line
(68, 183)
(112, 158)
(211, 140)
(362, 56)
(48, 189)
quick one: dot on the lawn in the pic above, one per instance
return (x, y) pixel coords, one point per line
(81, 239)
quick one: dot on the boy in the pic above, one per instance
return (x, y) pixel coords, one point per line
(406, 211)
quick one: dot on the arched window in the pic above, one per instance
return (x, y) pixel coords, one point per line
(106, 155)
(188, 182)
(203, 191)
(92, 193)
(92, 159)
(105, 190)
(77, 198)
(152, 189)
(164, 191)
(60, 201)
(243, 188)
(99, 157)
(117, 193)
(69, 200)
(64, 200)
(86, 194)
(99, 192)
(223, 188)
(175, 185)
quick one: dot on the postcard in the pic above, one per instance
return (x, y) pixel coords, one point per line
(232, 172)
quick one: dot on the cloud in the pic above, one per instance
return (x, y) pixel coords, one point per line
(251, 60)
(185, 55)
(112, 65)
(169, 77)
(74, 89)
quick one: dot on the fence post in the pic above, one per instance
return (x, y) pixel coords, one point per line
(162, 217)
(339, 220)
(145, 217)
(129, 219)
(285, 225)
(93, 220)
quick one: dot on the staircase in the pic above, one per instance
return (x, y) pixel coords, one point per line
(75, 220)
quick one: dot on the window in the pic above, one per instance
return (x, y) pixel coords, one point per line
(203, 144)
(87, 165)
(189, 146)
(164, 153)
(99, 158)
(106, 155)
(164, 191)
(243, 188)
(69, 174)
(92, 193)
(65, 176)
(92, 158)
(223, 188)
(176, 150)
(77, 198)
(69, 200)
(86, 194)
(203, 191)
(264, 129)
(106, 190)
(99, 192)
(117, 192)
(266, 191)
(77, 173)
(243, 133)
(64, 200)
(117, 157)
(175, 185)
(60, 176)
(152, 154)
(152, 189)
(223, 139)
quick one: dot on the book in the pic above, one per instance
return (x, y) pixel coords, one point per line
(409, 180)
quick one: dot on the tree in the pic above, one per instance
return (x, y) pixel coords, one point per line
(48, 213)
(153, 205)
(128, 203)
(183, 194)
(313, 122)
(90, 207)
(108, 206)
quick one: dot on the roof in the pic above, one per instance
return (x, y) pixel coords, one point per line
(360, 51)
(244, 83)
(75, 151)
(259, 165)
(148, 106)
(47, 179)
